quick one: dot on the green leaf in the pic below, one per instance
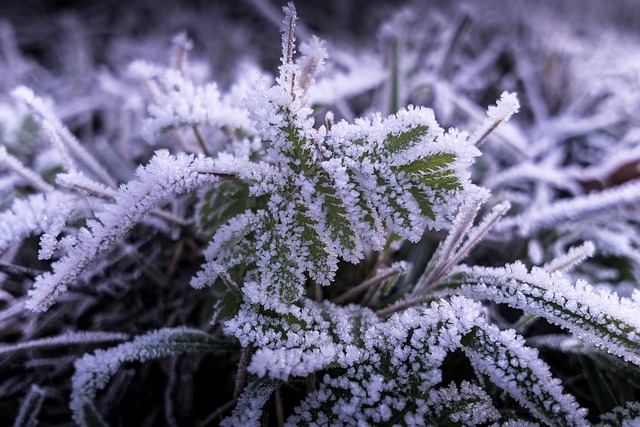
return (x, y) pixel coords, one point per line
(220, 203)
(323, 268)
(341, 230)
(516, 369)
(428, 174)
(402, 141)
(467, 405)
(600, 390)
(226, 307)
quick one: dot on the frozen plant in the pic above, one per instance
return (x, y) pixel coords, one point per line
(286, 200)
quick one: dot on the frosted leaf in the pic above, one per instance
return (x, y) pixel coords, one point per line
(27, 174)
(400, 362)
(93, 371)
(179, 102)
(502, 356)
(288, 29)
(229, 247)
(60, 135)
(334, 190)
(312, 62)
(248, 410)
(627, 415)
(30, 407)
(597, 316)
(575, 256)
(322, 334)
(83, 184)
(70, 338)
(163, 177)
(469, 405)
(31, 215)
(574, 209)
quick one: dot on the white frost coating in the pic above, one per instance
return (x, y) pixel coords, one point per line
(226, 249)
(469, 405)
(27, 174)
(596, 316)
(30, 216)
(285, 349)
(163, 177)
(312, 62)
(248, 410)
(413, 344)
(60, 135)
(526, 171)
(336, 189)
(67, 339)
(506, 106)
(510, 365)
(627, 415)
(577, 208)
(80, 182)
(93, 371)
(180, 103)
(575, 256)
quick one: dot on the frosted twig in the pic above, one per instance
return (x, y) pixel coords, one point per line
(27, 174)
(572, 258)
(30, 407)
(19, 271)
(60, 134)
(241, 375)
(396, 268)
(506, 106)
(181, 45)
(534, 220)
(443, 265)
(200, 140)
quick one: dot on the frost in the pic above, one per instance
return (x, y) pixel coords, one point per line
(597, 316)
(179, 102)
(248, 411)
(506, 106)
(93, 371)
(30, 216)
(164, 177)
(577, 208)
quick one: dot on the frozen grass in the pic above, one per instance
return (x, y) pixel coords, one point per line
(126, 174)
